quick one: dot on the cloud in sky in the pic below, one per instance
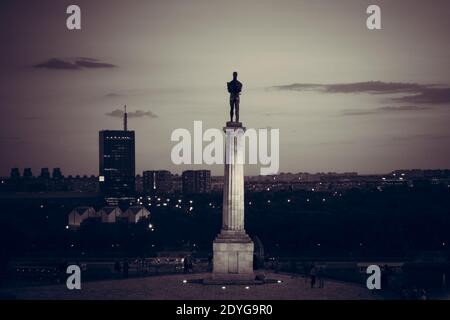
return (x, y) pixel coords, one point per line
(358, 112)
(428, 96)
(113, 95)
(373, 87)
(401, 108)
(381, 110)
(415, 93)
(74, 64)
(421, 137)
(355, 87)
(134, 114)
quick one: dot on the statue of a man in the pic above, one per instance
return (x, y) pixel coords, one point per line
(234, 88)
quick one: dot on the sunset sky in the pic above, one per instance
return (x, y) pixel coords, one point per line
(345, 98)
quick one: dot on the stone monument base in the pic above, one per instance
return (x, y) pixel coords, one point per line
(211, 281)
(233, 258)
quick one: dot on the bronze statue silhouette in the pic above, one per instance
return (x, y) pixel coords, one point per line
(234, 88)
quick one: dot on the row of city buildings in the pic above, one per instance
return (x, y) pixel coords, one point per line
(117, 179)
(154, 182)
(149, 183)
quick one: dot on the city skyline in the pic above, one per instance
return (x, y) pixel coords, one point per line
(344, 98)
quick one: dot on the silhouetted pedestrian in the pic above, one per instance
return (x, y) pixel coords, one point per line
(186, 264)
(313, 276)
(444, 281)
(126, 266)
(117, 268)
(320, 275)
(422, 294)
(190, 265)
(210, 262)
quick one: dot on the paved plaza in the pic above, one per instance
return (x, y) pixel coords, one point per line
(186, 287)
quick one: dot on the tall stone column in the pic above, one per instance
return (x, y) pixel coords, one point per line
(233, 248)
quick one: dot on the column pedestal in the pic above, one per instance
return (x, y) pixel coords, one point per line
(233, 248)
(233, 258)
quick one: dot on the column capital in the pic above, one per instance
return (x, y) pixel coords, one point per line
(233, 126)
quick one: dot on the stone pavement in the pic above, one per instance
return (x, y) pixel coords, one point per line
(172, 287)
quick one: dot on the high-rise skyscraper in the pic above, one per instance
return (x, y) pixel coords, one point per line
(45, 174)
(159, 181)
(196, 181)
(57, 174)
(15, 174)
(117, 164)
(27, 173)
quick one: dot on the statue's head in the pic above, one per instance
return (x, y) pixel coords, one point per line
(235, 75)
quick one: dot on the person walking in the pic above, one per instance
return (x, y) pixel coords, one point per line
(117, 268)
(320, 275)
(210, 262)
(185, 265)
(126, 266)
(313, 276)
(190, 264)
